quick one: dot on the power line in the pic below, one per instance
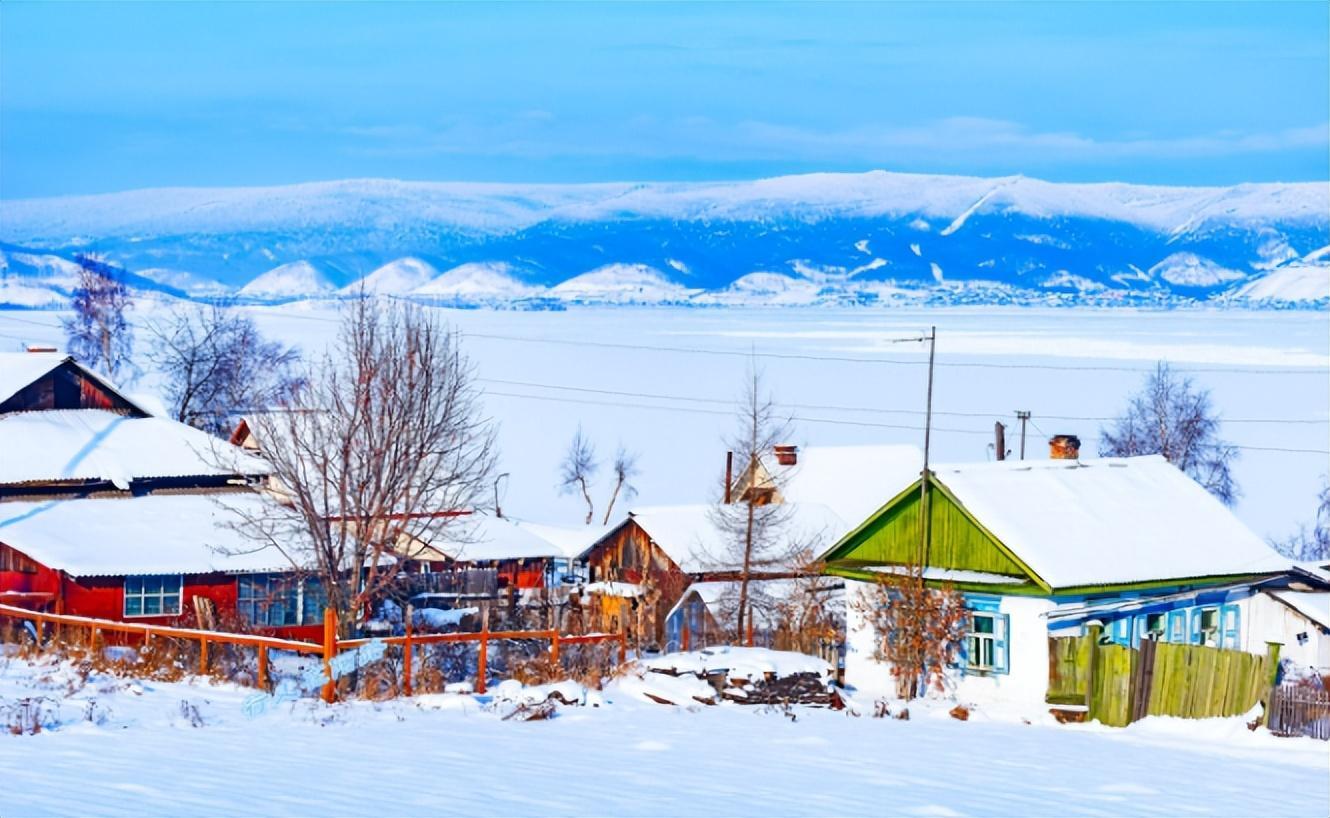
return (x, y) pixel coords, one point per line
(886, 361)
(842, 408)
(829, 421)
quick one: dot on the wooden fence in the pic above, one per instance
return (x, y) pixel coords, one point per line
(1119, 685)
(1299, 711)
(328, 649)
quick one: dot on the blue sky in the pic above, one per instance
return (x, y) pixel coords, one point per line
(108, 96)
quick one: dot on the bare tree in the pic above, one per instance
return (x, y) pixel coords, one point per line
(625, 469)
(98, 334)
(1170, 416)
(216, 364)
(752, 525)
(1313, 544)
(920, 630)
(383, 450)
(578, 468)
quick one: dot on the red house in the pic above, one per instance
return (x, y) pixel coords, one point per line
(109, 512)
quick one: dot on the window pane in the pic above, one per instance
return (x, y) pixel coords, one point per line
(171, 603)
(983, 624)
(152, 605)
(133, 605)
(133, 585)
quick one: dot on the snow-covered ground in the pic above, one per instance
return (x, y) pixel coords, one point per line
(121, 747)
(662, 382)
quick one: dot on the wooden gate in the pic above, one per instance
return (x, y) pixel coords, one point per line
(1299, 711)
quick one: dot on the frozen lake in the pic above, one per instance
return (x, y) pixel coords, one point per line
(662, 382)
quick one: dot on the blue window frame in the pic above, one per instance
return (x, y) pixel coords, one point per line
(1230, 632)
(153, 594)
(1177, 627)
(279, 600)
(986, 648)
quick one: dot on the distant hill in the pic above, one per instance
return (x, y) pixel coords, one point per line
(819, 238)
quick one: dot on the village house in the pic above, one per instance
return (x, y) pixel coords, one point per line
(1051, 548)
(478, 556)
(107, 511)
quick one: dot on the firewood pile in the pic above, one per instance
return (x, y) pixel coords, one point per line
(797, 688)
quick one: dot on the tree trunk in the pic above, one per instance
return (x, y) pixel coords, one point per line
(747, 567)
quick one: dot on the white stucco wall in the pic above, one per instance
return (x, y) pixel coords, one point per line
(1025, 684)
(1265, 619)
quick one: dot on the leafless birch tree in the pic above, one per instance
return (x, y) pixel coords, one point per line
(98, 334)
(1170, 416)
(578, 469)
(624, 469)
(383, 447)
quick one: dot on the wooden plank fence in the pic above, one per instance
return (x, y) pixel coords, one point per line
(1119, 685)
(1299, 711)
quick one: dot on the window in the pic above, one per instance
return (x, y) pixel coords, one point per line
(1230, 635)
(986, 642)
(1153, 626)
(153, 595)
(1177, 627)
(279, 600)
(1205, 627)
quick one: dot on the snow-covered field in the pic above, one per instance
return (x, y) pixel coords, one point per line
(188, 748)
(662, 382)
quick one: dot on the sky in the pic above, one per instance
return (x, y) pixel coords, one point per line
(109, 96)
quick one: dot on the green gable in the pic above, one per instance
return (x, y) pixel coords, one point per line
(956, 542)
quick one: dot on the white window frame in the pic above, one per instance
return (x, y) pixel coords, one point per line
(977, 642)
(161, 595)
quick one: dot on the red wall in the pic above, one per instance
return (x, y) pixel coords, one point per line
(104, 598)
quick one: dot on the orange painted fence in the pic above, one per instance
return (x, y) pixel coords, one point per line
(330, 647)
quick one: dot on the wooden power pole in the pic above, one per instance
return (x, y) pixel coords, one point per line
(1023, 417)
(925, 517)
(1000, 440)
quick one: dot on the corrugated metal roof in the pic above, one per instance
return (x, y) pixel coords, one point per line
(94, 444)
(155, 534)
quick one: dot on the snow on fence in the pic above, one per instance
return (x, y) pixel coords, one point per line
(1298, 710)
(328, 649)
(1119, 685)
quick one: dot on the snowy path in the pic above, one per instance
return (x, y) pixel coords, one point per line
(630, 758)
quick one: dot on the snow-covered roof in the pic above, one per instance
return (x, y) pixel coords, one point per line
(573, 541)
(1314, 606)
(94, 444)
(21, 369)
(1113, 520)
(689, 534)
(853, 481)
(153, 534)
(482, 538)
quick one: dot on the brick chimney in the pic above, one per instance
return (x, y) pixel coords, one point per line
(1064, 447)
(787, 455)
(40, 348)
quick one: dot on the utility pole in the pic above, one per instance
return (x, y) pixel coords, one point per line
(928, 431)
(1000, 440)
(1023, 417)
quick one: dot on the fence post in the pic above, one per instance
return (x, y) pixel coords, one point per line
(554, 646)
(1267, 696)
(484, 648)
(329, 651)
(262, 680)
(1093, 629)
(203, 655)
(406, 652)
(623, 647)
(92, 638)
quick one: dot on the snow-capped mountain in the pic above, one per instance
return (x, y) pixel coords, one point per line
(623, 284)
(295, 279)
(478, 282)
(829, 238)
(397, 277)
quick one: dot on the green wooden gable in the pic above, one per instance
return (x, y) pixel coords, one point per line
(957, 541)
